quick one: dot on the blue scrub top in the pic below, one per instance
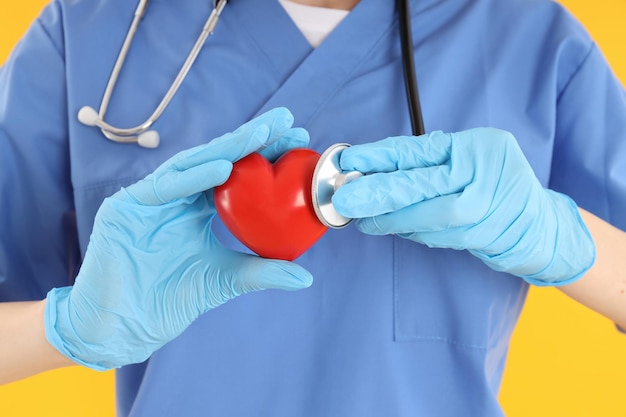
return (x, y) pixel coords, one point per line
(389, 327)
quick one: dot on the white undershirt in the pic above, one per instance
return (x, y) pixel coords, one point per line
(315, 23)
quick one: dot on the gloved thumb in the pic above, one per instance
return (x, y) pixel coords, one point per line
(244, 273)
(281, 275)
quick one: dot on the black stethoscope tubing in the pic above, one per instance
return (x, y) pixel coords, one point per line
(408, 64)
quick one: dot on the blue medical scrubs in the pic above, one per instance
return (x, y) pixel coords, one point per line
(389, 327)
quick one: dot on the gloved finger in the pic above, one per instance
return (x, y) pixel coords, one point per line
(180, 184)
(259, 273)
(164, 184)
(172, 185)
(255, 135)
(296, 137)
(191, 170)
(434, 215)
(243, 273)
(401, 152)
(376, 194)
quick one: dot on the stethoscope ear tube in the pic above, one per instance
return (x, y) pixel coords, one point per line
(140, 133)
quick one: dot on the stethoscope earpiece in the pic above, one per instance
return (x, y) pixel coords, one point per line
(88, 116)
(149, 139)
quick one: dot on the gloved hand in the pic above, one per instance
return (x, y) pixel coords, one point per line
(471, 190)
(153, 266)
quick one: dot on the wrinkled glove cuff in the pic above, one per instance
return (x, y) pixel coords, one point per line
(56, 309)
(574, 250)
(556, 248)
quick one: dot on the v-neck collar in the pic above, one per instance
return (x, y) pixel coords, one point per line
(311, 76)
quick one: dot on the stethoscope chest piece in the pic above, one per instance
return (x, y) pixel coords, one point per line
(327, 178)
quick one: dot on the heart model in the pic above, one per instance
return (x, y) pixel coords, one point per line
(268, 207)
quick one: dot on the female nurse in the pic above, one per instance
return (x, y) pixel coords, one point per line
(113, 257)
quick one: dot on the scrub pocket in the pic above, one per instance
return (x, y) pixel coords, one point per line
(448, 296)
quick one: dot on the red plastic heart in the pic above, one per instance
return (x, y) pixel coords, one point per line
(268, 207)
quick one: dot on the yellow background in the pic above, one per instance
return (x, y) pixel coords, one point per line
(565, 360)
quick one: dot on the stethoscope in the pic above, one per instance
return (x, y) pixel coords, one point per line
(327, 177)
(141, 134)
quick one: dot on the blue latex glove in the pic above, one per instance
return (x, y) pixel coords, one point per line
(153, 266)
(471, 190)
